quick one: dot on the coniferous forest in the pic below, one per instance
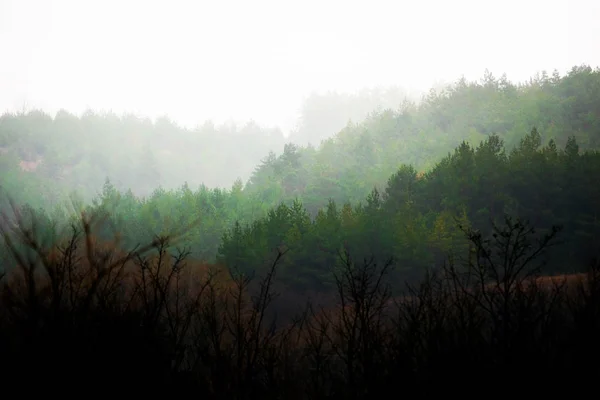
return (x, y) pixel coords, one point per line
(440, 244)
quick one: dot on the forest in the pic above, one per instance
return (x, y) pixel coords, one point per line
(432, 244)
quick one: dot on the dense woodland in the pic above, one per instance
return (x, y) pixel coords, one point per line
(492, 179)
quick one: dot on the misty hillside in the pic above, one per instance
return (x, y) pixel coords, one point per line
(435, 147)
(473, 198)
(44, 158)
(79, 153)
(365, 154)
(324, 114)
(299, 200)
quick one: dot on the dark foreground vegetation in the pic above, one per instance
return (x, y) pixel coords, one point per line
(82, 313)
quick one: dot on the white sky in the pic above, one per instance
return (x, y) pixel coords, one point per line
(221, 59)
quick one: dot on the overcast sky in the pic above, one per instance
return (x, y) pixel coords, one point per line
(221, 59)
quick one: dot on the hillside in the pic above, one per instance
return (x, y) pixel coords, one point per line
(405, 242)
(80, 153)
(363, 155)
(473, 152)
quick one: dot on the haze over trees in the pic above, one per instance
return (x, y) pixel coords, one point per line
(472, 196)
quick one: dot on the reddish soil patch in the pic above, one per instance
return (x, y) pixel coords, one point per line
(29, 166)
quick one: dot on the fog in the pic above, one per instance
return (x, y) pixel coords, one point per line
(321, 199)
(201, 92)
(238, 60)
